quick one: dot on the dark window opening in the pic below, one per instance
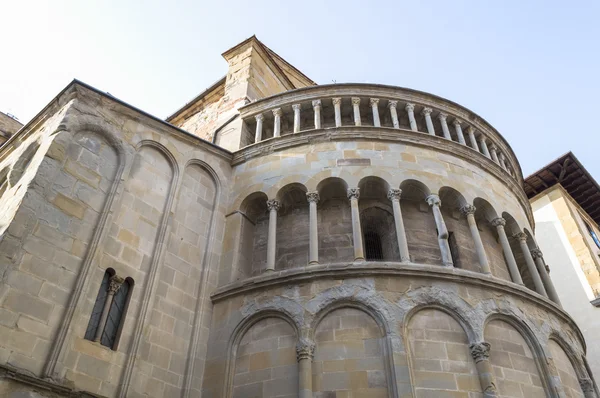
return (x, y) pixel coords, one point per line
(115, 315)
(373, 248)
(592, 234)
(454, 249)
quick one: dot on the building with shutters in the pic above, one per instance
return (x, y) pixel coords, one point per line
(274, 238)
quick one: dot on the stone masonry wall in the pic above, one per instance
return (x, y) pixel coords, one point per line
(568, 376)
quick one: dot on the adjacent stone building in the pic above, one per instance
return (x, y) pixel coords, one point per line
(274, 238)
(565, 200)
(8, 126)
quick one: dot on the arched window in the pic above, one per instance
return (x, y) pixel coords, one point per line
(109, 310)
(592, 234)
(373, 248)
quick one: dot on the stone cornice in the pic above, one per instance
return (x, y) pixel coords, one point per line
(296, 276)
(384, 92)
(388, 134)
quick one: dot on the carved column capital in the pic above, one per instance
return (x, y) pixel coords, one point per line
(442, 116)
(336, 101)
(394, 194)
(456, 122)
(536, 253)
(426, 111)
(277, 112)
(353, 193)
(355, 101)
(468, 209)
(522, 236)
(114, 284)
(498, 221)
(273, 204)
(392, 104)
(373, 101)
(409, 107)
(296, 107)
(493, 147)
(480, 351)
(586, 385)
(313, 197)
(316, 103)
(305, 349)
(260, 117)
(433, 200)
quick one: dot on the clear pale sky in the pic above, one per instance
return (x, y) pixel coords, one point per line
(530, 68)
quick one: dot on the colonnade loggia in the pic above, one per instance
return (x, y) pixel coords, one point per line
(478, 143)
(533, 257)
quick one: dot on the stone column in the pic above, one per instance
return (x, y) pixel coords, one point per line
(434, 201)
(394, 196)
(494, 153)
(481, 354)
(259, 125)
(337, 106)
(459, 132)
(541, 266)
(469, 211)
(313, 243)
(503, 161)
(537, 281)
(587, 387)
(443, 120)
(427, 113)
(296, 108)
(277, 122)
(410, 109)
(316, 104)
(499, 223)
(356, 110)
(273, 205)
(114, 284)
(304, 354)
(394, 113)
(374, 102)
(353, 195)
(484, 147)
(471, 132)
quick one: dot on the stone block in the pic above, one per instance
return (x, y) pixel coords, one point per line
(93, 367)
(69, 206)
(28, 305)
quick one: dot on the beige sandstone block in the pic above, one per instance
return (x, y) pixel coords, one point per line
(69, 206)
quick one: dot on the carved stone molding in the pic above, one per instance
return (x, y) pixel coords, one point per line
(316, 103)
(336, 101)
(355, 101)
(498, 221)
(394, 194)
(522, 236)
(353, 193)
(296, 107)
(273, 204)
(442, 116)
(373, 101)
(433, 200)
(468, 209)
(392, 104)
(480, 351)
(313, 197)
(409, 107)
(536, 253)
(456, 122)
(115, 284)
(305, 349)
(259, 117)
(587, 385)
(426, 111)
(277, 112)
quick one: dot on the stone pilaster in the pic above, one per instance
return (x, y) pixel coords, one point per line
(392, 105)
(410, 110)
(273, 205)
(469, 212)
(535, 276)
(277, 122)
(316, 104)
(356, 110)
(513, 269)
(443, 120)
(296, 108)
(459, 132)
(394, 196)
(481, 355)
(313, 251)
(538, 257)
(353, 195)
(337, 107)
(374, 102)
(259, 126)
(428, 122)
(304, 354)
(434, 202)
